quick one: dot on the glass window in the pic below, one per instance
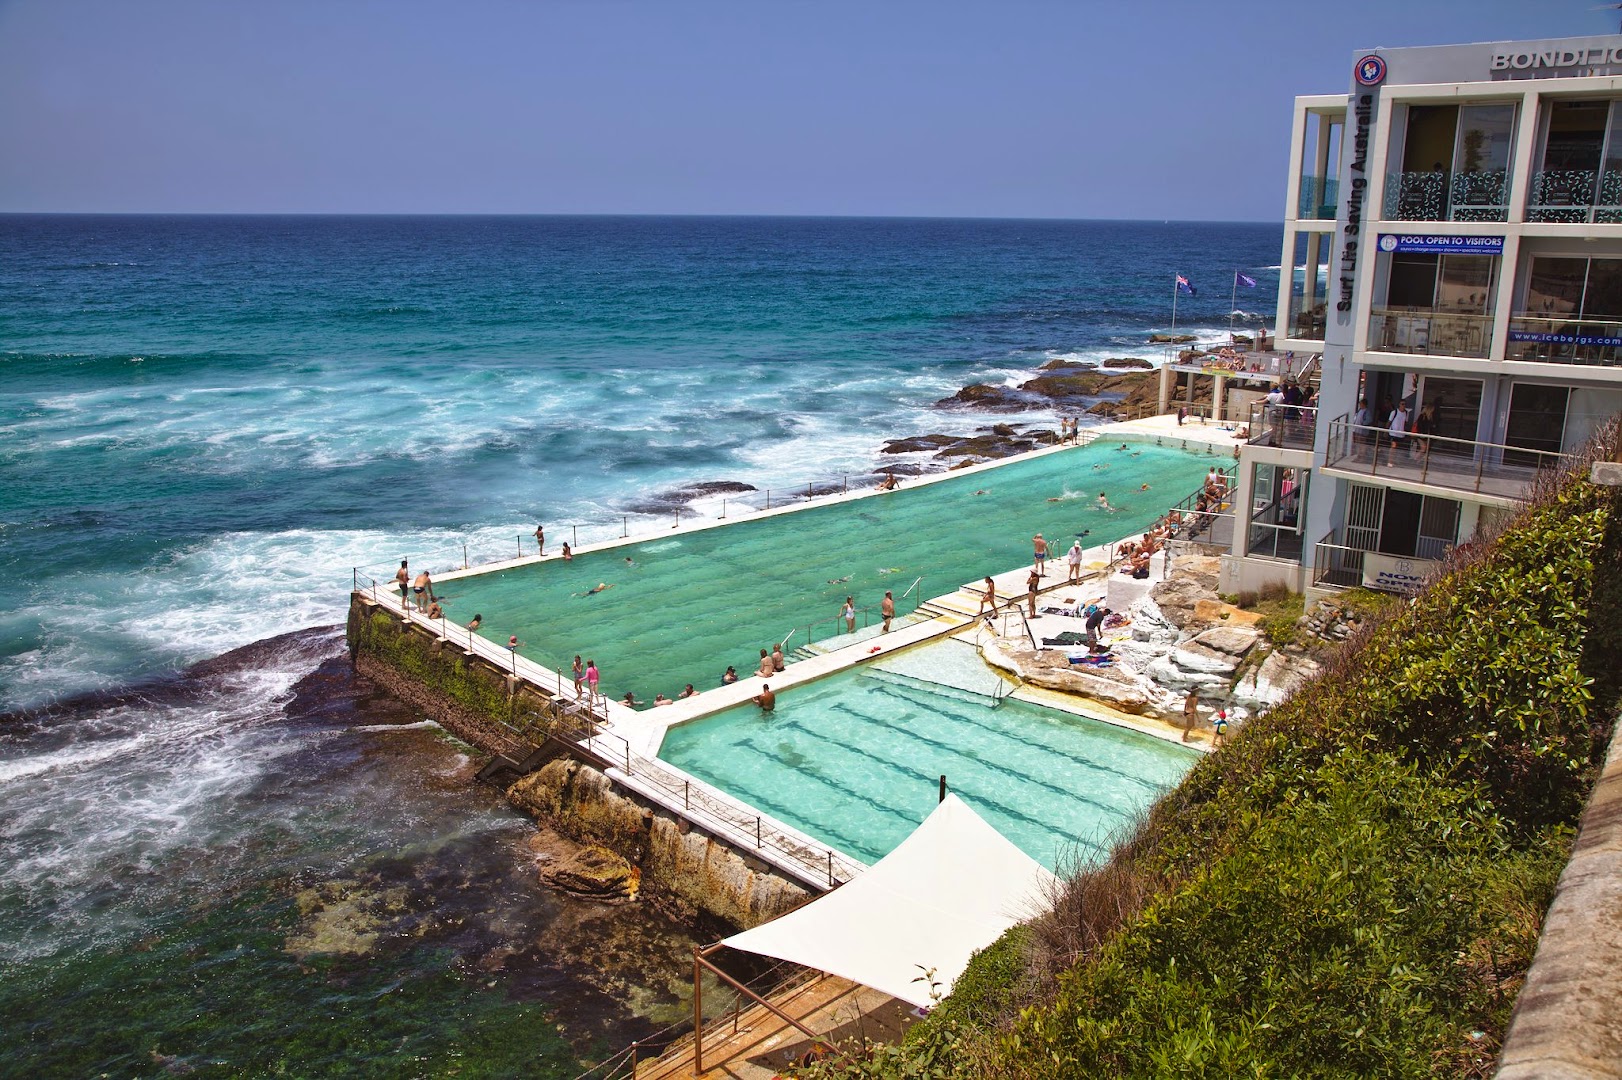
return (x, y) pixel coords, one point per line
(1466, 284)
(1603, 297)
(1413, 281)
(1576, 135)
(1555, 286)
(1486, 136)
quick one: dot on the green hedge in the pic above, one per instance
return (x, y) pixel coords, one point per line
(1356, 882)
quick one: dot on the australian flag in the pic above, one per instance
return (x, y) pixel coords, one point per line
(1184, 287)
(1244, 280)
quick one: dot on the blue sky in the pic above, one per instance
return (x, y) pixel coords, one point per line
(1020, 108)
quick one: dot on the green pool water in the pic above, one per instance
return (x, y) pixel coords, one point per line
(688, 605)
(855, 760)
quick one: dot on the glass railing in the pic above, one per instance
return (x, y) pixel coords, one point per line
(1289, 426)
(1452, 464)
(1565, 341)
(1576, 196)
(1320, 198)
(1432, 333)
(1307, 324)
(1438, 195)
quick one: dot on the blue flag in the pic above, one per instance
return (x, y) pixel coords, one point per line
(1183, 286)
(1244, 279)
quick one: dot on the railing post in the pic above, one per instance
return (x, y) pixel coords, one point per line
(625, 526)
(678, 519)
(520, 547)
(464, 556)
(830, 867)
(686, 802)
(574, 531)
(698, 1016)
(723, 508)
(757, 831)
(768, 498)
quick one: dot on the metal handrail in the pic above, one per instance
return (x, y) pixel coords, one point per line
(1434, 457)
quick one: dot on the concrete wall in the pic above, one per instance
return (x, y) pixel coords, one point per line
(1568, 1017)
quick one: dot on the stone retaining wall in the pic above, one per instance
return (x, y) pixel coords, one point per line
(681, 865)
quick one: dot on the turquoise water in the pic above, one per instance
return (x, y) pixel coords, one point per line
(855, 760)
(688, 606)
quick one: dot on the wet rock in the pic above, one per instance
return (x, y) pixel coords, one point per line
(986, 396)
(1133, 362)
(1068, 365)
(918, 443)
(666, 502)
(594, 873)
(986, 447)
(1067, 386)
(1171, 339)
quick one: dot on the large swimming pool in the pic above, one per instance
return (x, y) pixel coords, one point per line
(855, 759)
(686, 607)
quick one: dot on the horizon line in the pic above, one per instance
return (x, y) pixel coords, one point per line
(615, 214)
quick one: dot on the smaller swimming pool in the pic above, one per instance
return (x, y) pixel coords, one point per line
(855, 759)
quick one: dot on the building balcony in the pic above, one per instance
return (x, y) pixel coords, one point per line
(1429, 332)
(1591, 342)
(1439, 195)
(1339, 564)
(1292, 427)
(1320, 198)
(1576, 196)
(1494, 472)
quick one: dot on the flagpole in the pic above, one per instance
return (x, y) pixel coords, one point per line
(1233, 299)
(1174, 301)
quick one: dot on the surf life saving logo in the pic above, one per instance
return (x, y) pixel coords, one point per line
(1371, 70)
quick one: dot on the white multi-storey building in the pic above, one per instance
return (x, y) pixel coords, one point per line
(1455, 227)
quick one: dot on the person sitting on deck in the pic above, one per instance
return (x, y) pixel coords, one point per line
(766, 670)
(435, 611)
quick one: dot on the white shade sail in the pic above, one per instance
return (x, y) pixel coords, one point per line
(916, 916)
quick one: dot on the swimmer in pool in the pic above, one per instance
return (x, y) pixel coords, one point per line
(1103, 504)
(601, 585)
(839, 580)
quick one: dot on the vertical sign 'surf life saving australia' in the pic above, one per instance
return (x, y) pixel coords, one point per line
(1354, 199)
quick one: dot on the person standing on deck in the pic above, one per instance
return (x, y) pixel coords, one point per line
(579, 674)
(402, 578)
(1032, 583)
(1041, 558)
(848, 613)
(1074, 560)
(540, 539)
(422, 590)
(887, 609)
(988, 599)
(1191, 714)
(592, 677)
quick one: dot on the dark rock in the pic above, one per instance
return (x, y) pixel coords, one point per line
(917, 444)
(1067, 386)
(984, 396)
(1133, 362)
(666, 502)
(1171, 339)
(1068, 365)
(1005, 430)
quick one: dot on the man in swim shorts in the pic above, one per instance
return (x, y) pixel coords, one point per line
(765, 699)
(402, 578)
(422, 591)
(1041, 557)
(887, 608)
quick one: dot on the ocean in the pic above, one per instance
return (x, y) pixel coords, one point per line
(207, 422)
